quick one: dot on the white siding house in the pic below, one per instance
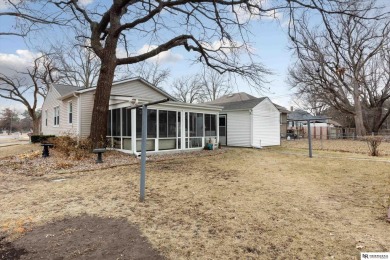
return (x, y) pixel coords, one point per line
(250, 121)
(171, 125)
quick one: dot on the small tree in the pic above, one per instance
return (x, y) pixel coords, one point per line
(373, 143)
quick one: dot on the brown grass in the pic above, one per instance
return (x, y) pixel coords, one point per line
(244, 203)
(339, 145)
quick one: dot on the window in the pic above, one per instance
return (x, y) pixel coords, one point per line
(210, 125)
(46, 116)
(70, 112)
(151, 125)
(57, 116)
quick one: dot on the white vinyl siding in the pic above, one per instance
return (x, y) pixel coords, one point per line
(136, 89)
(238, 128)
(266, 124)
(86, 106)
(51, 101)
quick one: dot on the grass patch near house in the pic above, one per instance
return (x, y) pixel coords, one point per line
(242, 203)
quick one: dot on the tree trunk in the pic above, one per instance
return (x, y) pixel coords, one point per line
(35, 121)
(359, 124)
(101, 102)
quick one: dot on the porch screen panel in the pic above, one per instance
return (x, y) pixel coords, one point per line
(116, 122)
(152, 123)
(199, 125)
(210, 125)
(126, 122)
(172, 123)
(192, 119)
(163, 123)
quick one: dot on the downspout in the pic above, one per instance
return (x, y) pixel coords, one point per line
(78, 117)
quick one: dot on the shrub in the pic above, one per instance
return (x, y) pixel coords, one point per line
(69, 146)
(40, 138)
(373, 143)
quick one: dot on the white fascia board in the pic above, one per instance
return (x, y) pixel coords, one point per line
(234, 110)
(172, 104)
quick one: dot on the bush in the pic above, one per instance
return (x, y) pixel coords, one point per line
(41, 138)
(69, 146)
(373, 143)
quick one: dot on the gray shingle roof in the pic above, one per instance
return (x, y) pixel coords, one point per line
(65, 89)
(235, 97)
(303, 115)
(241, 105)
(281, 109)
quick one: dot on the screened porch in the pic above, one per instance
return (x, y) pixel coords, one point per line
(166, 129)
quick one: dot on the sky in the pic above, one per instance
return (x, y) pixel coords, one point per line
(269, 42)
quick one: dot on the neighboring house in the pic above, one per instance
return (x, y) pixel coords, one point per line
(322, 127)
(171, 125)
(283, 120)
(248, 121)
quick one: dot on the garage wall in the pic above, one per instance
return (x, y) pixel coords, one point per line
(266, 124)
(238, 128)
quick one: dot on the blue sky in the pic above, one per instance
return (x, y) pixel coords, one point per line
(269, 40)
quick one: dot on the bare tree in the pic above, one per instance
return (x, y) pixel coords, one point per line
(28, 17)
(214, 85)
(76, 65)
(345, 65)
(151, 71)
(188, 89)
(28, 86)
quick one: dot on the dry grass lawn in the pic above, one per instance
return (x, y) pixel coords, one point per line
(338, 145)
(243, 203)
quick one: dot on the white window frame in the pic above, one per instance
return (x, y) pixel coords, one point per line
(56, 121)
(70, 112)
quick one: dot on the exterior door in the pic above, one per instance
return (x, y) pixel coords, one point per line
(222, 129)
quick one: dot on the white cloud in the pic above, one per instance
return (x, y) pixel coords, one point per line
(245, 14)
(4, 4)
(164, 57)
(227, 46)
(85, 2)
(18, 61)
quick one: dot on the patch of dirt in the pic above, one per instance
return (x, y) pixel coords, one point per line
(84, 237)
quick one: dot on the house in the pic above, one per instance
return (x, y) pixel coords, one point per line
(172, 125)
(283, 120)
(322, 127)
(248, 121)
